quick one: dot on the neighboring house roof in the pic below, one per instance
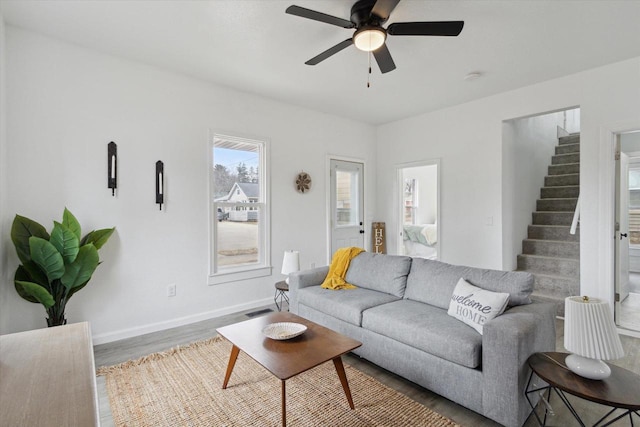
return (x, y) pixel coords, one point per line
(251, 189)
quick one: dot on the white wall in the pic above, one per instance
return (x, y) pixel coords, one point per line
(527, 147)
(66, 103)
(4, 223)
(468, 139)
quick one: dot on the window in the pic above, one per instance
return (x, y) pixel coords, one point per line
(634, 202)
(239, 246)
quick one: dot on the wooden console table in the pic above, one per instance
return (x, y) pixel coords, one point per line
(47, 377)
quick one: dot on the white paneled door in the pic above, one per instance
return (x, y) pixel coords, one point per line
(347, 204)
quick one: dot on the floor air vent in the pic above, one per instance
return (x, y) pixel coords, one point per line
(258, 313)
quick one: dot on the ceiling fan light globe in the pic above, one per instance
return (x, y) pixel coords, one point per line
(369, 39)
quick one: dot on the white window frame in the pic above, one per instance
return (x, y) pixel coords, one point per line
(218, 275)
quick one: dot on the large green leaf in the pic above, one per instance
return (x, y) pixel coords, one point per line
(21, 229)
(47, 257)
(80, 271)
(37, 292)
(98, 237)
(22, 275)
(36, 274)
(71, 223)
(65, 241)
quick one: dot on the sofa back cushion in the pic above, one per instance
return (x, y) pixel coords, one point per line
(432, 282)
(383, 273)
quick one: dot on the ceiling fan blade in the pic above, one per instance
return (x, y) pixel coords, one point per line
(383, 8)
(384, 59)
(319, 16)
(442, 28)
(331, 51)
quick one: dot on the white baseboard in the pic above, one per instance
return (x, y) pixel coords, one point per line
(180, 321)
(628, 332)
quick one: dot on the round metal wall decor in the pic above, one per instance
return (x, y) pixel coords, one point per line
(303, 182)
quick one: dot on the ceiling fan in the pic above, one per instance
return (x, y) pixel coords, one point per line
(367, 17)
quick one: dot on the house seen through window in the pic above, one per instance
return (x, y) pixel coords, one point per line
(239, 229)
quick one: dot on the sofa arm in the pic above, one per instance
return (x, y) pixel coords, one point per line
(507, 343)
(303, 279)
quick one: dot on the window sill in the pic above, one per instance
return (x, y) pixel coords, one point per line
(235, 275)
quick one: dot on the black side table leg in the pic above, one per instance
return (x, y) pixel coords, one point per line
(275, 300)
(542, 422)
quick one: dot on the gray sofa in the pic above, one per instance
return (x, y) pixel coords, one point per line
(399, 313)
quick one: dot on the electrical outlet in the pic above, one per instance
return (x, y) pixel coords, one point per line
(171, 290)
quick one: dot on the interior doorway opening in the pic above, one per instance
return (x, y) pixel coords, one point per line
(419, 209)
(627, 251)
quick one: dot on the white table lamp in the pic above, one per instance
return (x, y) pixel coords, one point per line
(290, 263)
(591, 336)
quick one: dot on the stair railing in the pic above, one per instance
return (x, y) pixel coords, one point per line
(576, 217)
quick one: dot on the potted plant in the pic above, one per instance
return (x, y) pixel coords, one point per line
(55, 266)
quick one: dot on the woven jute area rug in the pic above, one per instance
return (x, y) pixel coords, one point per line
(183, 387)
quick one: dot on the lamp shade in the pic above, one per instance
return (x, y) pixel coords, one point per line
(291, 262)
(589, 330)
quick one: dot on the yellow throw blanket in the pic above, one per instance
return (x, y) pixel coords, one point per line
(338, 269)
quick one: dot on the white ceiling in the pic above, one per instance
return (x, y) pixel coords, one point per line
(253, 46)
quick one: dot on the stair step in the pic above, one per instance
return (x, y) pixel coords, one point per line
(551, 248)
(564, 169)
(552, 218)
(567, 148)
(570, 139)
(562, 180)
(549, 265)
(553, 232)
(557, 205)
(557, 300)
(562, 159)
(556, 285)
(560, 192)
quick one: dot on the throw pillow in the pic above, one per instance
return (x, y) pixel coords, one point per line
(476, 306)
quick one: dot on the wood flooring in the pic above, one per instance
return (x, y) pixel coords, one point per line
(132, 348)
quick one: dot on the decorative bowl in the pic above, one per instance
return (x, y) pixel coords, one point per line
(283, 330)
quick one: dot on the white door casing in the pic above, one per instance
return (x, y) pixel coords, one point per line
(346, 204)
(622, 229)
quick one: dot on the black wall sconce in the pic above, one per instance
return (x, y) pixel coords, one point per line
(160, 183)
(112, 167)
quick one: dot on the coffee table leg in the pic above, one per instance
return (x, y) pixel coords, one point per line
(337, 362)
(232, 362)
(284, 404)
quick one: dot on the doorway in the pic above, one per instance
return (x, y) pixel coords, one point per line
(419, 209)
(346, 204)
(627, 217)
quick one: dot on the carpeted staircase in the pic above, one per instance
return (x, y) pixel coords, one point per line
(550, 252)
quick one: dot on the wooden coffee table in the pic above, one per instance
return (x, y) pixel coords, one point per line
(620, 391)
(288, 358)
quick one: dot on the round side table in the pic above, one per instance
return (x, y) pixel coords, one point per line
(620, 391)
(281, 296)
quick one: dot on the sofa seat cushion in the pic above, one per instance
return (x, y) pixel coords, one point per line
(346, 304)
(378, 272)
(432, 282)
(427, 328)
